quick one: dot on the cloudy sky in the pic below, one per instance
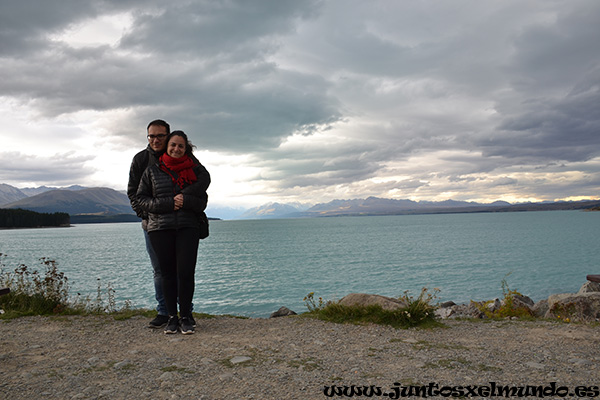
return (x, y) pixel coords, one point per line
(309, 100)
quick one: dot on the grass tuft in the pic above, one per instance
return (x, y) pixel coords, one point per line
(420, 312)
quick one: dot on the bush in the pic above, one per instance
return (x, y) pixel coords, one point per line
(508, 308)
(34, 293)
(420, 312)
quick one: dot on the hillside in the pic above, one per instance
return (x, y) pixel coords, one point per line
(73, 202)
(9, 194)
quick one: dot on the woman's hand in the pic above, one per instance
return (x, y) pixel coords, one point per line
(178, 199)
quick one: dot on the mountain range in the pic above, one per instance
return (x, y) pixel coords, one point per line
(273, 210)
(382, 206)
(112, 205)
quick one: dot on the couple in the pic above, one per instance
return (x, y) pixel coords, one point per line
(167, 189)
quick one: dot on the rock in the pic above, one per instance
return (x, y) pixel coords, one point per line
(226, 376)
(535, 365)
(494, 304)
(447, 304)
(282, 312)
(470, 310)
(239, 359)
(364, 300)
(589, 287)
(523, 300)
(540, 308)
(121, 364)
(575, 306)
(444, 313)
(166, 376)
(520, 301)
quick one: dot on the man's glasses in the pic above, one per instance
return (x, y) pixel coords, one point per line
(152, 137)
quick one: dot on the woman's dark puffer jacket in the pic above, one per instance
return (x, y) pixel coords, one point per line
(155, 195)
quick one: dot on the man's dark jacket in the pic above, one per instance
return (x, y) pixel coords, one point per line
(140, 162)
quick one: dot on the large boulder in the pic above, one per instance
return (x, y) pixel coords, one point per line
(590, 287)
(575, 306)
(520, 300)
(364, 300)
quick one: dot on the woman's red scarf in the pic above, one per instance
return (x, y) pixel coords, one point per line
(179, 169)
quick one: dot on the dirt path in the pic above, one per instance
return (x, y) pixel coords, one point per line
(284, 358)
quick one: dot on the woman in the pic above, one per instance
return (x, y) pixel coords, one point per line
(173, 193)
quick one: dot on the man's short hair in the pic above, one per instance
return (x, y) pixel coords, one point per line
(160, 122)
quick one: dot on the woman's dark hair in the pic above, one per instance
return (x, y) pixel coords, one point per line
(188, 145)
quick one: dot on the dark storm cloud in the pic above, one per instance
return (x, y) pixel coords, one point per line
(567, 129)
(204, 62)
(555, 75)
(234, 30)
(25, 24)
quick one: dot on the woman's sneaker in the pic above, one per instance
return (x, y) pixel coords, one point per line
(187, 327)
(172, 325)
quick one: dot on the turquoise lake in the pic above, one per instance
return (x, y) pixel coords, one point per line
(253, 267)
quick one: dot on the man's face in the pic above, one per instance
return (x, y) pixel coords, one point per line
(157, 137)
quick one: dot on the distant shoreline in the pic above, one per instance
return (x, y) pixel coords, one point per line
(6, 228)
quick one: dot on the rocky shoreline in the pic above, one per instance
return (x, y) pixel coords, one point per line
(583, 306)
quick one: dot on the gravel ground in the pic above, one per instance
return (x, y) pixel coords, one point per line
(96, 357)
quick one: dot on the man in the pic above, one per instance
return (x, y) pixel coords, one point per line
(158, 130)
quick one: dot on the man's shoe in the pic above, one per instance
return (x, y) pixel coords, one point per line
(172, 325)
(186, 326)
(193, 321)
(158, 322)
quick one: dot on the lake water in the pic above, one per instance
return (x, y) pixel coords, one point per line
(253, 267)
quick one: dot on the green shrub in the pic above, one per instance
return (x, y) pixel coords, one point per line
(420, 312)
(508, 308)
(312, 305)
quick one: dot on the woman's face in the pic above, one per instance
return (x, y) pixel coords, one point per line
(176, 147)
